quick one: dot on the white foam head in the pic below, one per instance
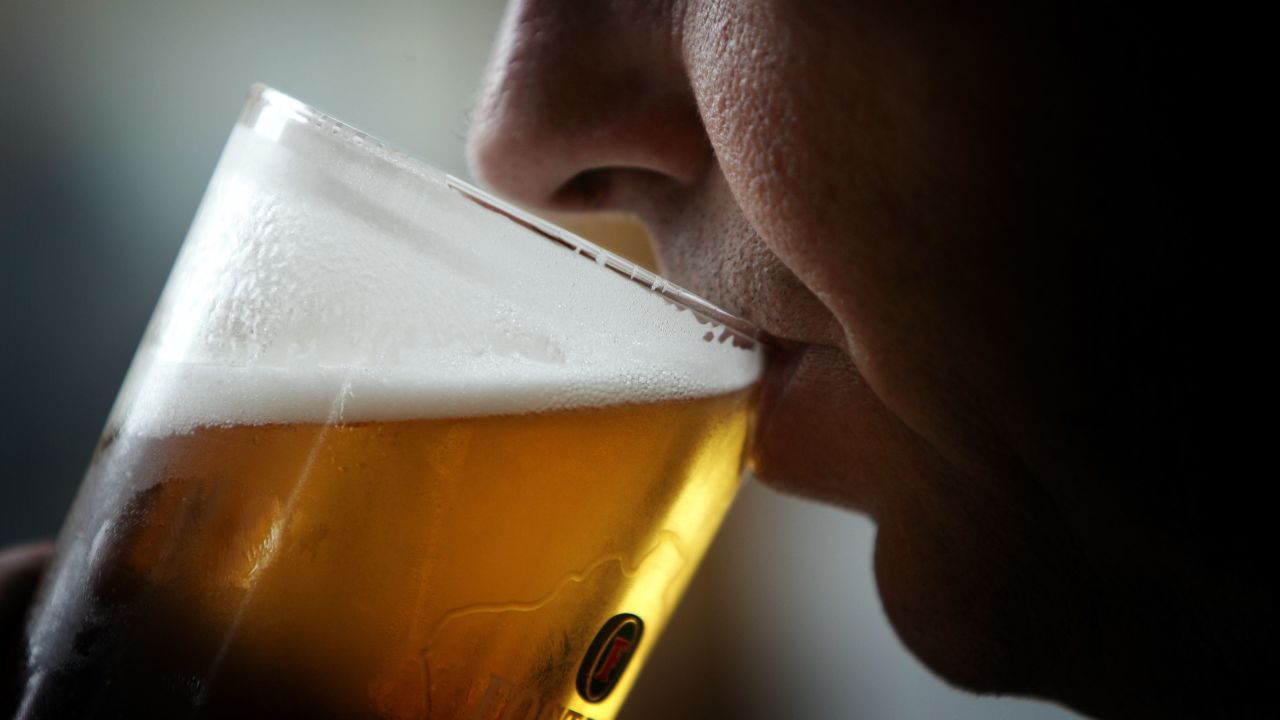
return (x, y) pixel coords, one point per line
(327, 278)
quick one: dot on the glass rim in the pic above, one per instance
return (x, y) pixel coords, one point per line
(745, 333)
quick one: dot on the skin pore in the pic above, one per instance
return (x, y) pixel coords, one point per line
(919, 201)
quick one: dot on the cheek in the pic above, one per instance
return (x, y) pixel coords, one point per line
(851, 156)
(803, 140)
(797, 152)
(750, 111)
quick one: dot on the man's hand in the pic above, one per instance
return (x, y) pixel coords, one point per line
(20, 569)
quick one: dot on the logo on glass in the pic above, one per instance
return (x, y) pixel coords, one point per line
(607, 658)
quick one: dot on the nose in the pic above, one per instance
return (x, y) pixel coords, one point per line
(584, 104)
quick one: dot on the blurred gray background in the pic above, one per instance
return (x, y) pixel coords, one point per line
(112, 115)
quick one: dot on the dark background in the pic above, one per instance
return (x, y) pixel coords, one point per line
(112, 115)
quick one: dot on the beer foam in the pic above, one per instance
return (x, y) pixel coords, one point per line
(328, 279)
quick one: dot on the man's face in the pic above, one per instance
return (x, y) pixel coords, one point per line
(877, 185)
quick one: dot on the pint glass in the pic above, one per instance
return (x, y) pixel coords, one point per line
(390, 448)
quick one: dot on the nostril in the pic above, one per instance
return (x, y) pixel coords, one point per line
(588, 190)
(587, 107)
(621, 187)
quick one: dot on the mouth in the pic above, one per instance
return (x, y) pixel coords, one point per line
(706, 246)
(783, 360)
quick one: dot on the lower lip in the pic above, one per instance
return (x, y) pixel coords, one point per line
(782, 366)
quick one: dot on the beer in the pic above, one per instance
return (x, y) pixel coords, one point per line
(384, 453)
(439, 568)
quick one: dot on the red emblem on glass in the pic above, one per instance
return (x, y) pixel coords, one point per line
(607, 658)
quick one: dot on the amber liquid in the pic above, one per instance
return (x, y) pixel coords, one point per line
(454, 568)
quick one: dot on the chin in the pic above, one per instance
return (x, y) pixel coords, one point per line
(989, 609)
